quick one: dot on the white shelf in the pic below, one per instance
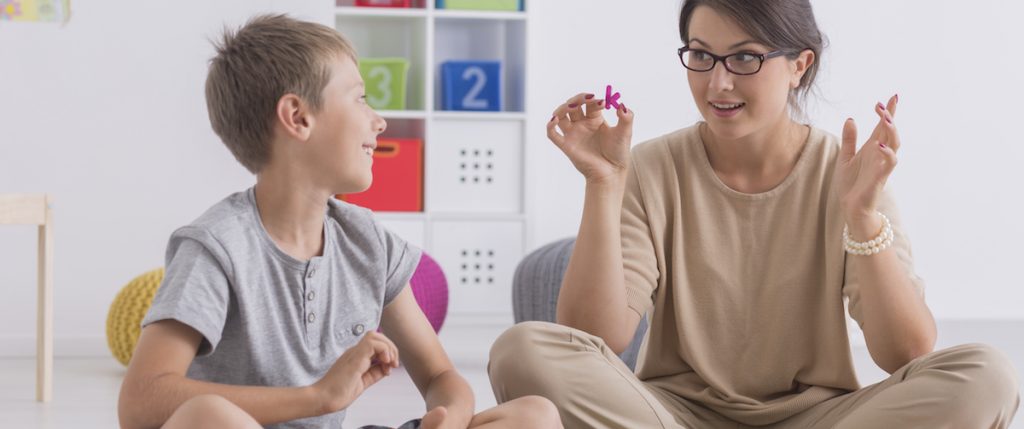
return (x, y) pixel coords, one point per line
(404, 39)
(501, 116)
(475, 221)
(484, 40)
(417, 216)
(388, 12)
(477, 216)
(402, 114)
(442, 216)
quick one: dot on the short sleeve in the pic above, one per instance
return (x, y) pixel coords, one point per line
(901, 245)
(638, 257)
(195, 291)
(401, 262)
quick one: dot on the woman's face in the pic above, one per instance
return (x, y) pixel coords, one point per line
(735, 106)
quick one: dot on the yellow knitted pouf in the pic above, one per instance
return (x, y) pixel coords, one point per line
(127, 311)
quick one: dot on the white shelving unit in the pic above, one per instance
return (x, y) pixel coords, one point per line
(474, 221)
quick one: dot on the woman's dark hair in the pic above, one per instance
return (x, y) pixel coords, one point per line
(786, 25)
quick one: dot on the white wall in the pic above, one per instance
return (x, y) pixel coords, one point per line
(107, 114)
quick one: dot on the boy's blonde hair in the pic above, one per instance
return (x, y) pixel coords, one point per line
(270, 56)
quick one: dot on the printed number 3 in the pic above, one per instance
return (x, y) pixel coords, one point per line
(383, 97)
(470, 101)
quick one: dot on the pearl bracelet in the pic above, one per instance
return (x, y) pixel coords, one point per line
(881, 242)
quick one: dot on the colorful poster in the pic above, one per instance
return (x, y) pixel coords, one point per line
(35, 10)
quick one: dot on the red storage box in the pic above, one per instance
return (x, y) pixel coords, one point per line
(397, 177)
(383, 3)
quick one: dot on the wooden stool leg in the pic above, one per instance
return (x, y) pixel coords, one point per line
(44, 313)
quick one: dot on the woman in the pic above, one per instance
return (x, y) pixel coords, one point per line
(741, 237)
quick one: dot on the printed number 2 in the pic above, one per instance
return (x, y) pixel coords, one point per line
(383, 98)
(471, 101)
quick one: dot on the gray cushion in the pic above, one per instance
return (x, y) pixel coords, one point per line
(535, 287)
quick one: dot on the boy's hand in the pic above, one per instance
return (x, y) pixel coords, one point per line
(437, 419)
(355, 371)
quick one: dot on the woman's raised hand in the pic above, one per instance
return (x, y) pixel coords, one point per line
(596, 149)
(861, 174)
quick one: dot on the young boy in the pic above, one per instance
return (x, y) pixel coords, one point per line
(271, 300)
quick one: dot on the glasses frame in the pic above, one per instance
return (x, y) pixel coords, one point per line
(722, 59)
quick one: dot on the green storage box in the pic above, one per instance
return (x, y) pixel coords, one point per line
(503, 5)
(386, 82)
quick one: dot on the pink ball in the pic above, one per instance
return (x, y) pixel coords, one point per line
(430, 288)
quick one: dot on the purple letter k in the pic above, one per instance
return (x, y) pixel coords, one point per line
(610, 100)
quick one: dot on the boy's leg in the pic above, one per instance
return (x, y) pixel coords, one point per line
(968, 386)
(585, 380)
(210, 411)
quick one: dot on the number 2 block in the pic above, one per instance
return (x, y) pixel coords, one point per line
(385, 80)
(471, 85)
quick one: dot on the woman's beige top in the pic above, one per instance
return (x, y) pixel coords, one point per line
(745, 291)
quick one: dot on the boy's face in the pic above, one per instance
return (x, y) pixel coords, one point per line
(346, 131)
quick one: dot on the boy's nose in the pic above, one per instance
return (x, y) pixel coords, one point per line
(380, 125)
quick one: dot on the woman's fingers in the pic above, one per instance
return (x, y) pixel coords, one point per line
(879, 107)
(553, 134)
(576, 112)
(578, 99)
(593, 108)
(887, 163)
(564, 111)
(888, 134)
(891, 105)
(849, 147)
(625, 119)
(574, 105)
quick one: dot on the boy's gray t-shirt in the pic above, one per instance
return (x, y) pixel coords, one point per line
(268, 319)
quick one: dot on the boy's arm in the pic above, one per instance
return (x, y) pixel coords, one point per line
(155, 384)
(425, 359)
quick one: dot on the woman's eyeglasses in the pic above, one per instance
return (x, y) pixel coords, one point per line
(742, 63)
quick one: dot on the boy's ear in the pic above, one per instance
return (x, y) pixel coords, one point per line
(295, 117)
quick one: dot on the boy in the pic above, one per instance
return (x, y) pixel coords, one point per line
(271, 300)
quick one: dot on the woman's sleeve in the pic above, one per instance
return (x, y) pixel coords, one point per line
(639, 261)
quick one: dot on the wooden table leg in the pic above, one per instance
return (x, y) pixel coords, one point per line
(44, 313)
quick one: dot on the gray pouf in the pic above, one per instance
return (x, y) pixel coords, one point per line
(535, 287)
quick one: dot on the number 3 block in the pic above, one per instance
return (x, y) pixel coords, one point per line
(385, 80)
(471, 85)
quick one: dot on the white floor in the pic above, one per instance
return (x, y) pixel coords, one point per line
(85, 389)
